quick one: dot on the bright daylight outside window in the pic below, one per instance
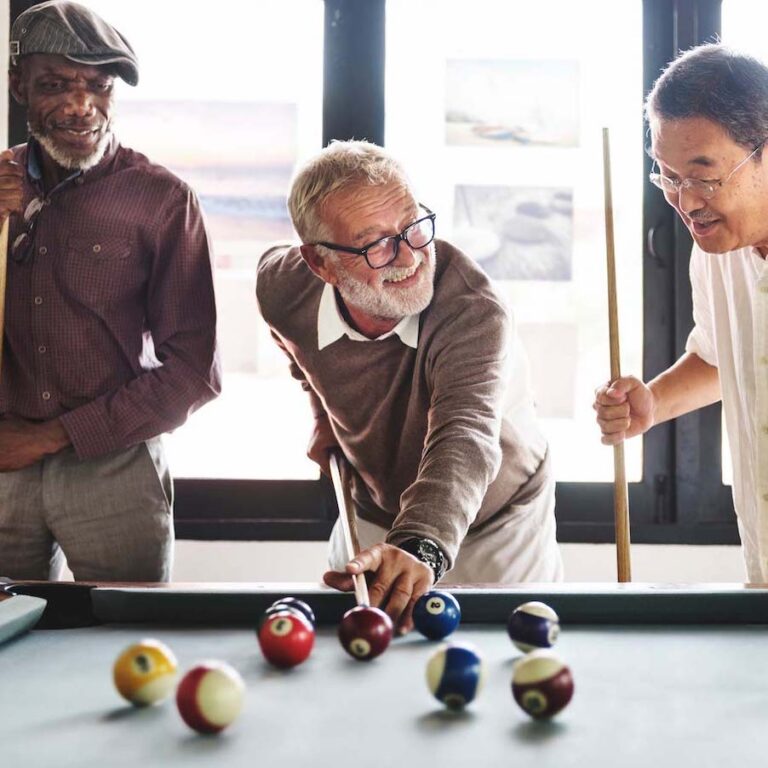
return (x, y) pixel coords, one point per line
(499, 124)
(230, 99)
(743, 28)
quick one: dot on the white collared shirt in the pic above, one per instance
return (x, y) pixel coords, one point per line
(730, 312)
(332, 326)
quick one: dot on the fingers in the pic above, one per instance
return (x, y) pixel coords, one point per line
(341, 581)
(11, 184)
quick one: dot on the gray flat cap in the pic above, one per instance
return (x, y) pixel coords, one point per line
(76, 32)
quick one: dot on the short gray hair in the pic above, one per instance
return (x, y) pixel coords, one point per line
(342, 164)
(718, 83)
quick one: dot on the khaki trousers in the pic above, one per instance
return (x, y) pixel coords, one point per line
(110, 517)
(518, 545)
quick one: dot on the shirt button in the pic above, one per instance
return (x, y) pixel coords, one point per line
(42, 250)
(97, 248)
(42, 349)
(46, 395)
(79, 180)
(38, 300)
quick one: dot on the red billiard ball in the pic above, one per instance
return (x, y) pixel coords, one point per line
(286, 639)
(365, 632)
(542, 684)
(210, 696)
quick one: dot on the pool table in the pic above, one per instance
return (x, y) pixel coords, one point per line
(664, 676)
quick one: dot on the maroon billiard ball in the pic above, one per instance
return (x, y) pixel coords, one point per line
(286, 639)
(365, 632)
(542, 684)
(210, 696)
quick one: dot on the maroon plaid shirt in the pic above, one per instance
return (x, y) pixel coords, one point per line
(110, 312)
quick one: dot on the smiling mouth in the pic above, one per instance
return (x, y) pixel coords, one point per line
(402, 274)
(703, 227)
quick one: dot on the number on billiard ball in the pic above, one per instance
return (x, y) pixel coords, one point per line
(365, 632)
(436, 614)
(455, 675)
(210, 696)
(533, 625)
(286, 638)
(542, 684)
(145, 673)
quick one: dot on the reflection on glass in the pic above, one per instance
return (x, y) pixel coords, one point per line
(506, 146)
(231, 108)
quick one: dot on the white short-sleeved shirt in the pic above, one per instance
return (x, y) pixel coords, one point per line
(730, 313)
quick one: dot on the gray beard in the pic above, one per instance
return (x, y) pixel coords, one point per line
(70, 162)
(385, 306)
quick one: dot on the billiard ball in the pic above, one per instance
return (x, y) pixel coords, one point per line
(533, 625)
(279, 608)
(365, 632)
(286, 638)
(436, 614)
(210, 696)
(145, 673)
(541, 683)
(295, 604)
(455, 674)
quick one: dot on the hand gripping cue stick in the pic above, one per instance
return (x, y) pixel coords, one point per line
(620, 495)
(348, 521)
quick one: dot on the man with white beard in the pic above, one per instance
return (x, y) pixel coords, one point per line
(110, 316)
(412, 368)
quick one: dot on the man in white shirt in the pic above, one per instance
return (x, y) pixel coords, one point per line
(708, 117)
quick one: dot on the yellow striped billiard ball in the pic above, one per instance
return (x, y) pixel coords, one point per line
(145, 673)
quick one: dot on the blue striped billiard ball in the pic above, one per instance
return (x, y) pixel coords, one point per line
(436, 614)
(533, 625)
(455, 675)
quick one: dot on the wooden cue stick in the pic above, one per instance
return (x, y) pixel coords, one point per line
(3, 268)
(348, 524)
(620, 494)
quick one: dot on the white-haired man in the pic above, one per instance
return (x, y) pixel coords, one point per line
(406, 353)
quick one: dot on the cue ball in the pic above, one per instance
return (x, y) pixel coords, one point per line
(286, 638)
(436, 614)
(365, 632)
(210, 696)
(145, 673)
(533, 625)
(293, 603)
(455, 675)
(542, 683)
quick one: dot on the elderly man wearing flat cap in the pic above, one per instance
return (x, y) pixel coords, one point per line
(110, 316)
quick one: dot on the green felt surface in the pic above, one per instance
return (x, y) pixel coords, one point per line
(645, 696)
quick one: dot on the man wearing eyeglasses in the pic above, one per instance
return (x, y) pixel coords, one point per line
(110, 317)
(708, 116)
(409, 359)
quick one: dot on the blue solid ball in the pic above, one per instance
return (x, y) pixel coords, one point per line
(436, 614)
(455, 675)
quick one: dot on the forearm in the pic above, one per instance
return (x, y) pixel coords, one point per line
(686, 386)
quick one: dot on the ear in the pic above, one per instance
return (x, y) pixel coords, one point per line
(318, 264)
(17, 86)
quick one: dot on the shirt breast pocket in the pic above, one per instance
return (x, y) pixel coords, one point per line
(96, 270)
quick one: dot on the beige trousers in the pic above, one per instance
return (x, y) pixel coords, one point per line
(518, 545)
(110, 516)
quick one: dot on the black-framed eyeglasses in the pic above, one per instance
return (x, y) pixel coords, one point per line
(704, 188)
(22, 243)
(381, 252)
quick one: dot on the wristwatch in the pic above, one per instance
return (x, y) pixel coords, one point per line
(429, 553)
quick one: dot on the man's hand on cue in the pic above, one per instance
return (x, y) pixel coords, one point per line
(11, 185)
(396, 581)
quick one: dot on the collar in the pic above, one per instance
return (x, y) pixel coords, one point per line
(35, 171)
(331, 326)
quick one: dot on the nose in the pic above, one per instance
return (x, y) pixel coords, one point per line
(79, 103)
(689, 201)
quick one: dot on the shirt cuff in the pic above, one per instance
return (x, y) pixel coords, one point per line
(89, 431)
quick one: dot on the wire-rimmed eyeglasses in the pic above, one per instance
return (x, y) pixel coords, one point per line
(381, 252)
(704, 188)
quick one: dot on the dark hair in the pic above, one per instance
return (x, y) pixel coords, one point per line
(718, 83)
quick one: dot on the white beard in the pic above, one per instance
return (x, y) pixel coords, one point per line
(385, 304)
(65, 160)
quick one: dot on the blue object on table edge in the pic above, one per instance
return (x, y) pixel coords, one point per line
(18, 614)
